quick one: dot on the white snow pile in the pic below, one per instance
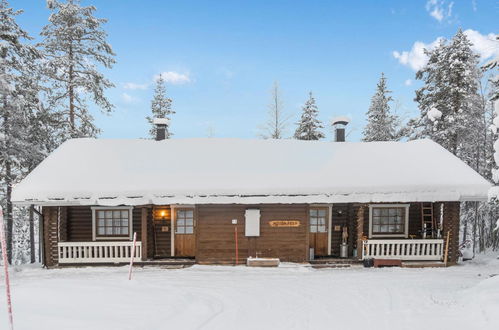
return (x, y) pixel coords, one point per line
(135, 172)
(292, 296)
(434, 114)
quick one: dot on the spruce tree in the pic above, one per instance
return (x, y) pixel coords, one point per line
(381, 124)
(446, 100)
(309, 127)
(74, 45)
(161, 107)
(18, 98)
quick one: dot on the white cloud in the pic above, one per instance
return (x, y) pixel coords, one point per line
(439, 9)
(473, 5)
(174, 78)
(484, 45)
(416, 57)
(127, 98)
(408, 82)
(134, 86)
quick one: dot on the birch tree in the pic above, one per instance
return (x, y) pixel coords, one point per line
(75, 46)
(277, 120)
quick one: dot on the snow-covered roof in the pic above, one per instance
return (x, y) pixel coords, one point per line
(249, 171)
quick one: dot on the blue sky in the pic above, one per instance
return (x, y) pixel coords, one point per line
(222, 57)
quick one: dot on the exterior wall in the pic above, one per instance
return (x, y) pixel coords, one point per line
(74, 224)
(216, 237)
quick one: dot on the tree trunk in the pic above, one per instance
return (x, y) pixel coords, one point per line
(8, 210)
(32, 234)
(71, 95)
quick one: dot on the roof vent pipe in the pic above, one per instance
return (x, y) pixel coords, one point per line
(160, 124)
(339, 124)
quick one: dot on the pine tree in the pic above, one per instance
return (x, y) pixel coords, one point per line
(161, 107)
(446, 100)
(309, 127)
(74, 44)
(381, 124)
(18, 97)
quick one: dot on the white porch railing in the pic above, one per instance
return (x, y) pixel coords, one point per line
(403, 249)
(97, 252)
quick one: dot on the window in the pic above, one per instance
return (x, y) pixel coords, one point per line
(318, 220)
(112, 223)
(388, 220)
(185, 222)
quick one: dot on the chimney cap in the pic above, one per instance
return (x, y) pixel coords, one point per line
(341, 120)
(161, 121)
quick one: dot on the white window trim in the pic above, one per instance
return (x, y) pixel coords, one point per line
(406, 220)
(111, 238)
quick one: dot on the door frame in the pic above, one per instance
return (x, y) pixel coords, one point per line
(329, 215)
(174, 208)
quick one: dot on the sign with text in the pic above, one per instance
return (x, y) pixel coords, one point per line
(284, 223)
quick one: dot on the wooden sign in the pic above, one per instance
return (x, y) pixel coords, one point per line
(165, 228)
(284, 223)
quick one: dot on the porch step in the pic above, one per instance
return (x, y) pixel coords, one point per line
(422, 264)
(333, 265)
(335, 261)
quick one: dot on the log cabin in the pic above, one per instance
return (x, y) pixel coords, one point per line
(221, 201)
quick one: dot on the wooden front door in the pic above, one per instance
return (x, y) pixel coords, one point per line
(318, 225)
(185, 233)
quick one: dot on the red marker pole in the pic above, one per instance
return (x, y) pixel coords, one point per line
(6, 270)
(132, 255)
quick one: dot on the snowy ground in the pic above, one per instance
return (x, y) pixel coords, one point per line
(289, 297)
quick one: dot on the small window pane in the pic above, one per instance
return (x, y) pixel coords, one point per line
(109, 230)
(322, 221)
(376, 212)
(189, 222)
(313, 212)
(313, 229)
(109, 214)
(116, 214)
(322, 229)
(189, 230)
(322, 213)
(313, 221)
(180, 230)
(180, 222)
(124, 214)
(376, 228)
(383, 229)
(100, 231)
(189, 214)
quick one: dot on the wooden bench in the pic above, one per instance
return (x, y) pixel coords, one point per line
(387, 263)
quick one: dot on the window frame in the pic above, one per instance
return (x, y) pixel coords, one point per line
(96, 237)
(405, 234)
(185, 209)
(326, 219)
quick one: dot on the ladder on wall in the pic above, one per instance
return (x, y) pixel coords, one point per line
(428, 223)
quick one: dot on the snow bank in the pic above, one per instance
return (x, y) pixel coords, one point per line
(112, 172)
(288, 297)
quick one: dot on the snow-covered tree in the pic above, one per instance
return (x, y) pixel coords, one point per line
(161, 107)
(309, 127)
(381, 123)
(446, 100)
(74, 46)
(277, 121)
(18, 99)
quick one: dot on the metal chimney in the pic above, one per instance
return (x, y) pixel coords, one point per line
(160, 124)
(339, 124)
